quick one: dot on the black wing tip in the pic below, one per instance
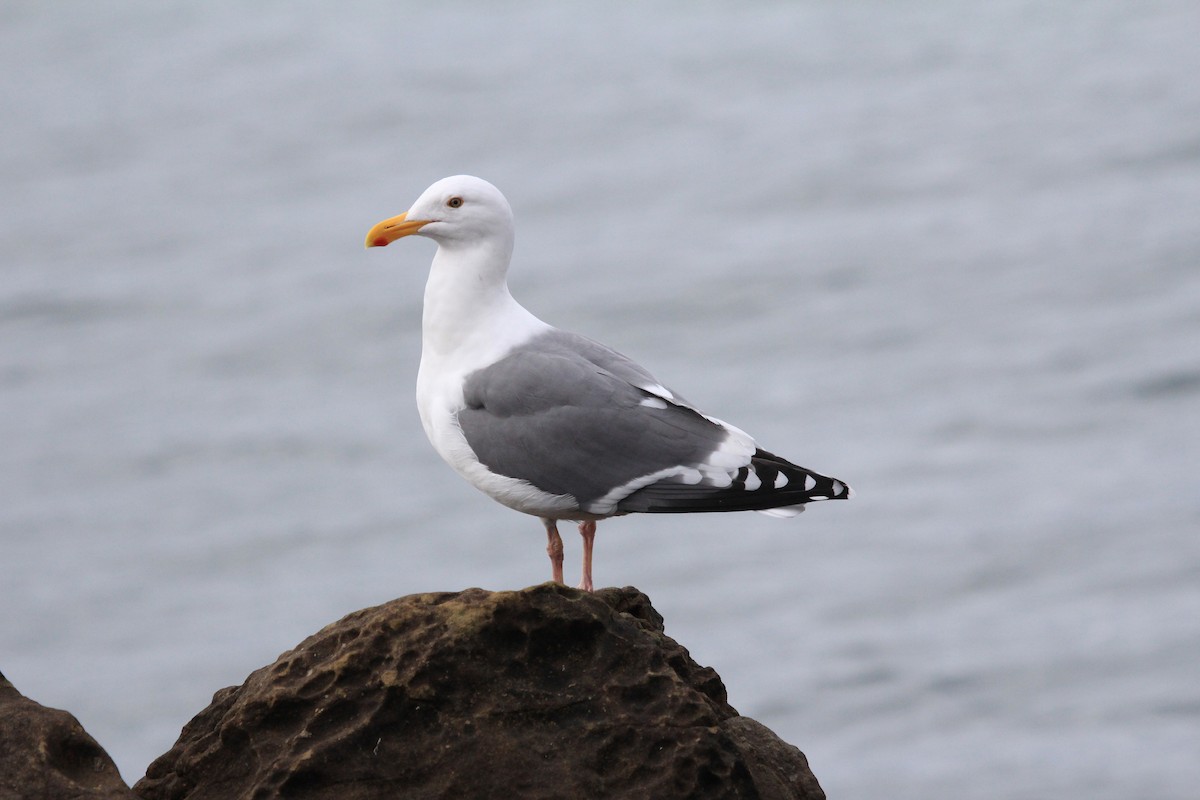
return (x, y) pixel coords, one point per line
(769, 482)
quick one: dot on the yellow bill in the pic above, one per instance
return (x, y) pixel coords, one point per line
(388, 231)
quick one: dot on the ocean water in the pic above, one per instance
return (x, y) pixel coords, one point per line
(947, 252)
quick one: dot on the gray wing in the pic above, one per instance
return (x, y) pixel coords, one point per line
(574, 417)
(571, 416)
(605, 358)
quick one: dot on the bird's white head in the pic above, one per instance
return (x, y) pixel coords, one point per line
(456, 211)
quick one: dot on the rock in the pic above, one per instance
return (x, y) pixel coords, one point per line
(545, 692)
(46, 754)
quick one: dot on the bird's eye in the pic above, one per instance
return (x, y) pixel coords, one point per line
(454, 202)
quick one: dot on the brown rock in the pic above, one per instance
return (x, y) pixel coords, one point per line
(46, 754)
(545, 692)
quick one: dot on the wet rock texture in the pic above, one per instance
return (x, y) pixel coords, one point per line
(543, 693)
(46, 754)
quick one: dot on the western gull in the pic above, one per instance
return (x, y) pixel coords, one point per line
(554, 424)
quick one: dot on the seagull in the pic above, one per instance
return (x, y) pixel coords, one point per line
(551, 423)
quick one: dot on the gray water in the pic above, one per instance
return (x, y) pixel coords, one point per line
(948, 252)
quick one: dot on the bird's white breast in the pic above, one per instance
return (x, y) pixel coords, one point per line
(440, 397)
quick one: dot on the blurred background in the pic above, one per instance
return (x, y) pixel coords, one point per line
(948, 252)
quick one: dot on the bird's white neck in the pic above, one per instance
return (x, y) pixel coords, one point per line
(468, 310)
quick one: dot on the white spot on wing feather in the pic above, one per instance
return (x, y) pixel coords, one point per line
(717, 477)
(752, 480)
(659, 391)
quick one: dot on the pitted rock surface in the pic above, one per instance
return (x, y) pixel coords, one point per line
(547, 692)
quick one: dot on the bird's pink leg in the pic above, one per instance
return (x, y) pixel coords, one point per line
(554, 549)
(588, 531)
